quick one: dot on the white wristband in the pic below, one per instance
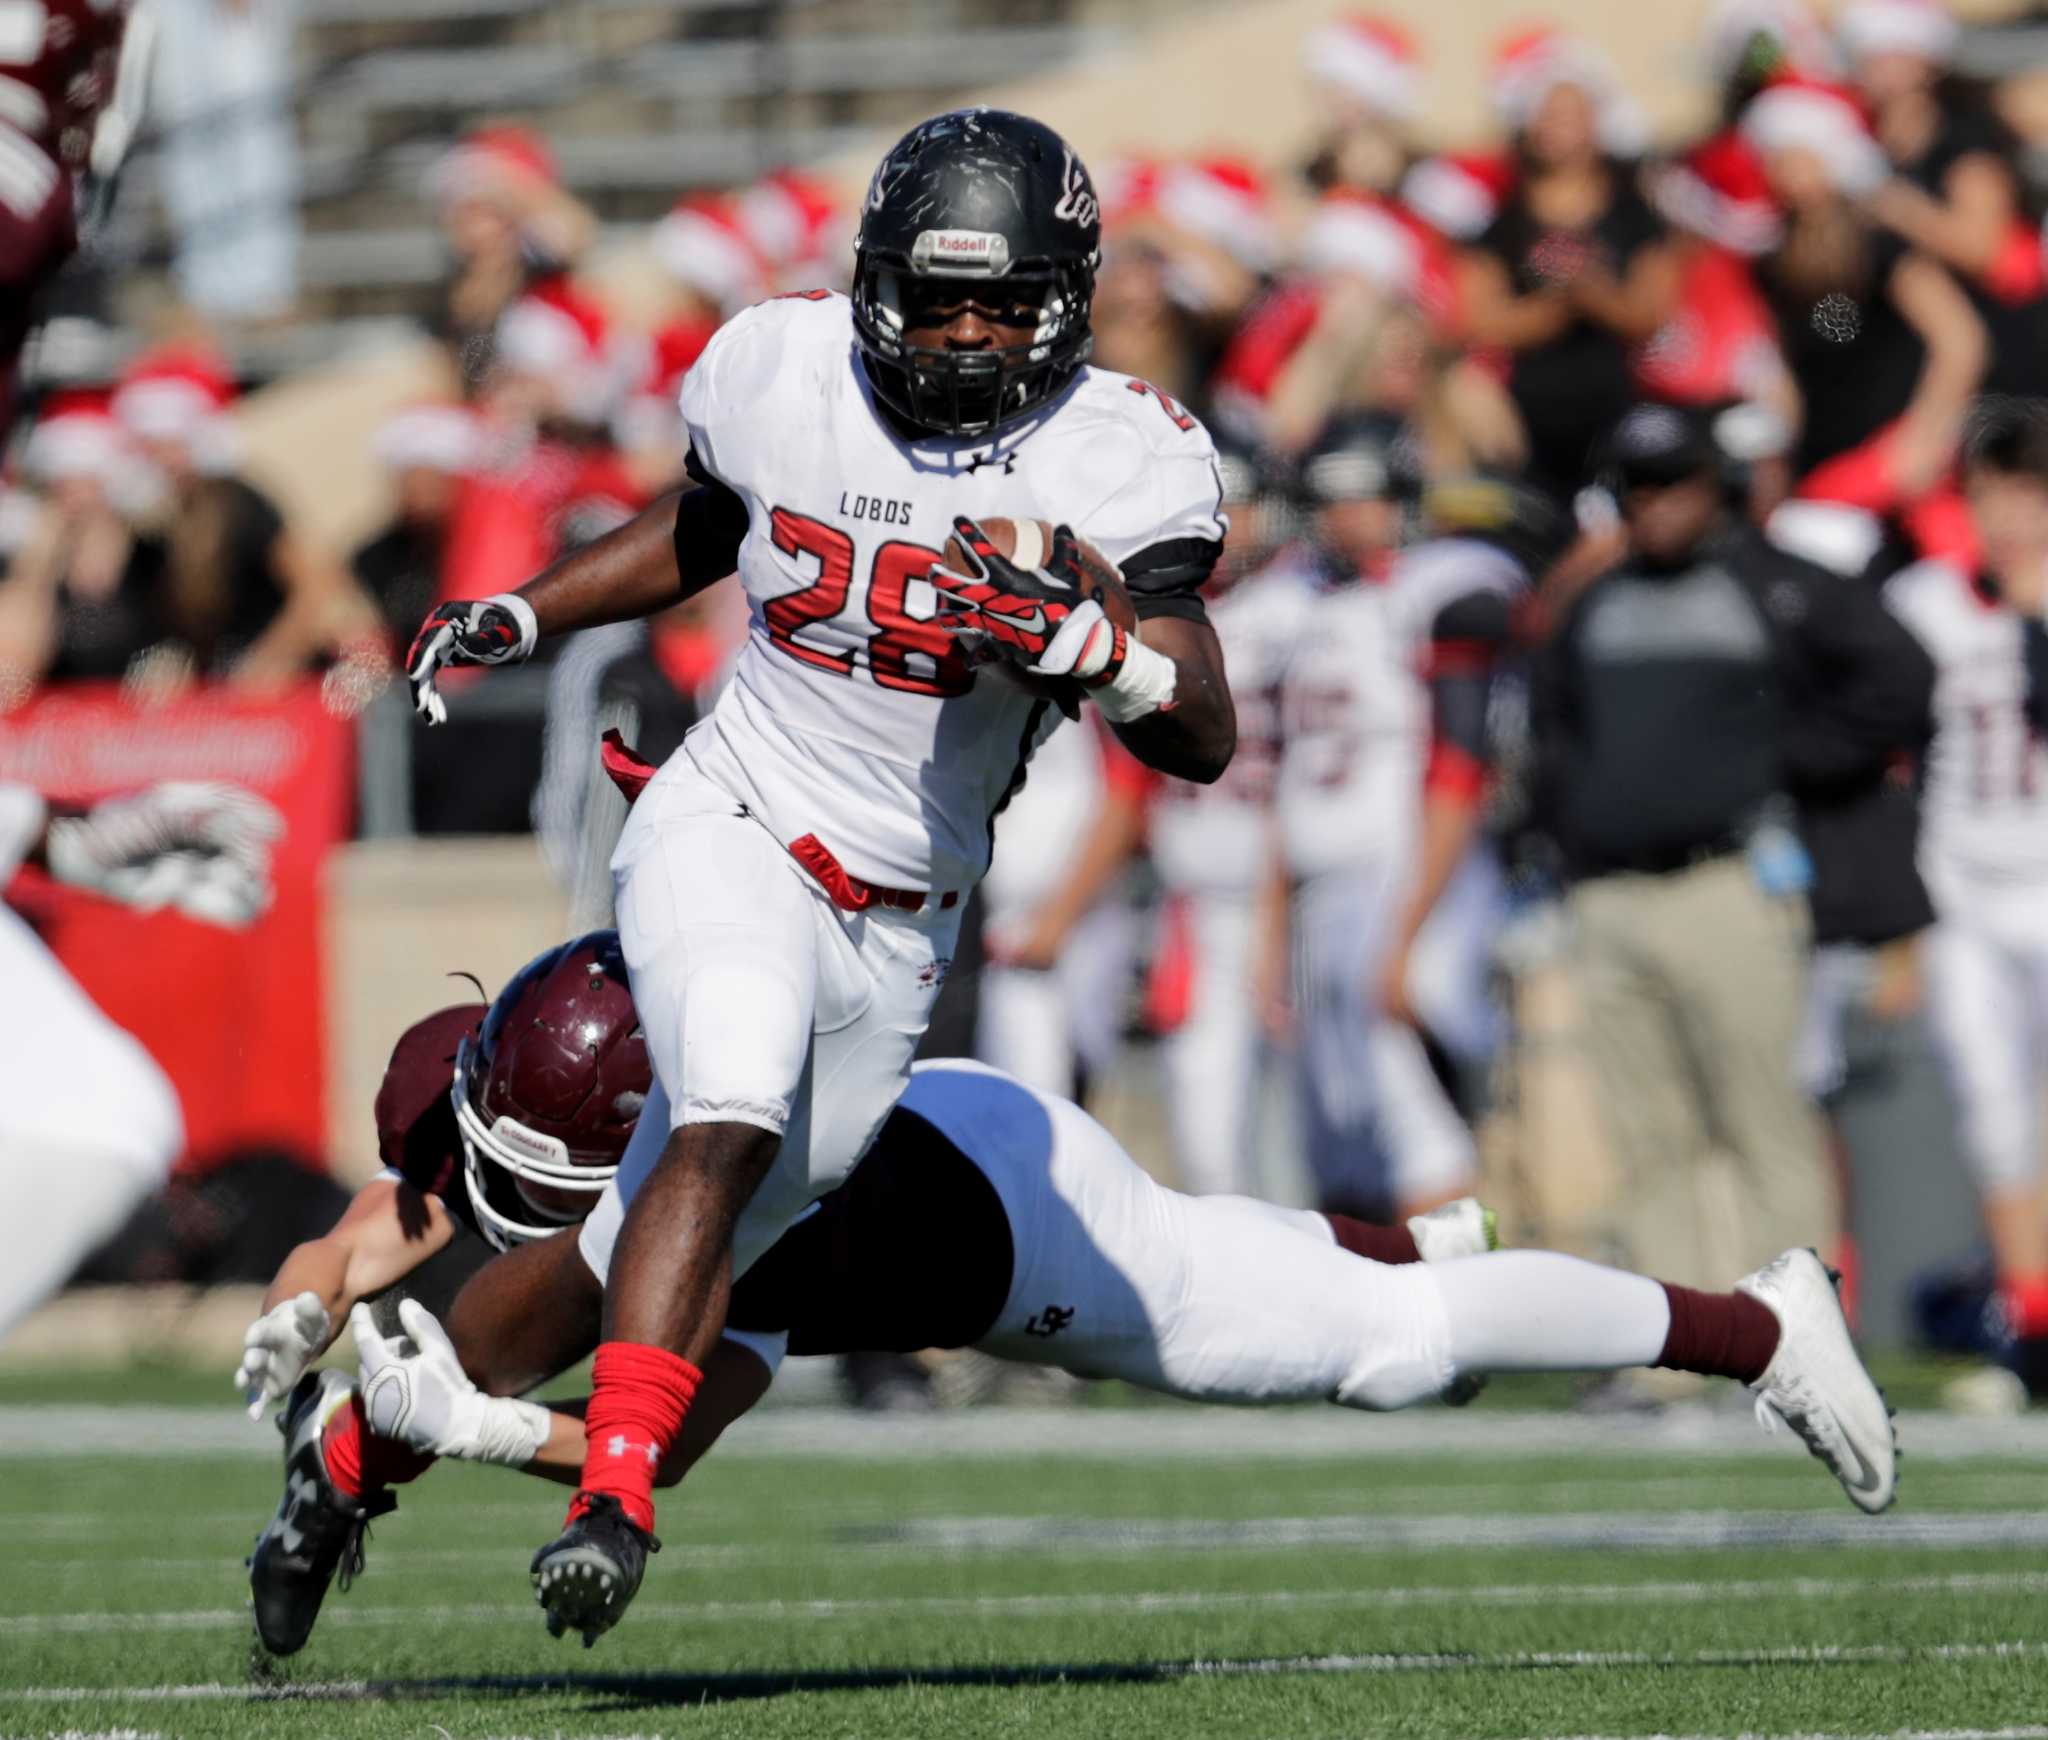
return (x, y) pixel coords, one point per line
(1143, 686)
(511, 1432)
(522, 613)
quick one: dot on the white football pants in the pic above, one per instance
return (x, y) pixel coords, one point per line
(1228, 1299)
(1211, 1060)
(1380, 1129)
(763, 1002)
(89, 1125)
(1987, 996)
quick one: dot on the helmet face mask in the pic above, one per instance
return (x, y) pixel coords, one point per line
(975, 198)
(523, 1184)
(547, 1094)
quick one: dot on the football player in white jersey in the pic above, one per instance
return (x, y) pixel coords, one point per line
(89, 1125)
(1381, 1131)
(789, 884)
(1984, 847)
(1210, 848)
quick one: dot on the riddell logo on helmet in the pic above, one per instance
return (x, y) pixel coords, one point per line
(961, 250)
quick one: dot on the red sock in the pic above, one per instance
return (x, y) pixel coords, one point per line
(1718, 1334)
(2026, 1305)
(358, 1461)
(1377, 1244)
(638, 1398)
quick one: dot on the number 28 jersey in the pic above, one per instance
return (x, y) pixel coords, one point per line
(849, 716)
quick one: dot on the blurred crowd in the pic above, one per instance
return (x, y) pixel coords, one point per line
(1566, 475)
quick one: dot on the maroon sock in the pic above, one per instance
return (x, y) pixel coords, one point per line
(1718, 1334)
(358, 1461)
(1377, 1244)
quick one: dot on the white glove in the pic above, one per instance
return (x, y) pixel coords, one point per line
(278, 1348)
(419, 1395)
(201, 847)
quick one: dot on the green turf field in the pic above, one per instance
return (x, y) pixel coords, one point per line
(962, 1589)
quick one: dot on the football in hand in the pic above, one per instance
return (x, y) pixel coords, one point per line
(1028, 543)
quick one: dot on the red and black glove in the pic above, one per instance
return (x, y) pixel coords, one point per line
(1038, 618)
(500, 630)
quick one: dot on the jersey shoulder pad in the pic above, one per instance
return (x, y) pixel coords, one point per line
(1140, 472)
(778, 353)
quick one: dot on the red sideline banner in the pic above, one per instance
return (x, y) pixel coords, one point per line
(236, 1018)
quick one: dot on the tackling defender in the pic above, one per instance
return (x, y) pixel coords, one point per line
(988, 1215)
(789, 887)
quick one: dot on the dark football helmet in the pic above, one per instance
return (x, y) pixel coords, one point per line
(547, 1094)
(976, 195)
(1255, 506)
(1361, 456)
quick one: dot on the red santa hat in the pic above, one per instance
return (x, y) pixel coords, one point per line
(1810, 115)
(1223, 200)
(433, 436)
(76, 435)
(1357, 234)
(1530, 64)
(556, 332)
(491, 160)
(702, 243)
(1459, 193)
(651, 417)
(1371, 59)
(1128, 187)
(180, 393)
(1920, 27)
(1793, 25)
(1719, 190)
(792, 220)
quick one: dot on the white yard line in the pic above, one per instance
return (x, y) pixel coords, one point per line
(1197, 1433)
(347, 1614)
(1699, 1530)
(1890, 1734)
(697, 1686)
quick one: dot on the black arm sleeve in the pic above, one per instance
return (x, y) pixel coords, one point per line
(1868, 692)
(711, 524)
(2034, 646)
(1466, 643)
(1167, 579)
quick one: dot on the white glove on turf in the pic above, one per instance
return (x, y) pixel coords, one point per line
(277, 1349)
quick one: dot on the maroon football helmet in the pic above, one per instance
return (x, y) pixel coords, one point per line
(546, 1096)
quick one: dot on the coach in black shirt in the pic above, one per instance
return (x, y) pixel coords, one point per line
(1690, 699)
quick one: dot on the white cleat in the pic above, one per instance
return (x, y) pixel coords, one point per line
(1458, 1229)
(1816, 1384)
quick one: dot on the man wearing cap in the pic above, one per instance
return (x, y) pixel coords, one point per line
(1689, 699)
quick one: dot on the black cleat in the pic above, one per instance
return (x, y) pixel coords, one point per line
(585, 1579)
(318, 1529)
